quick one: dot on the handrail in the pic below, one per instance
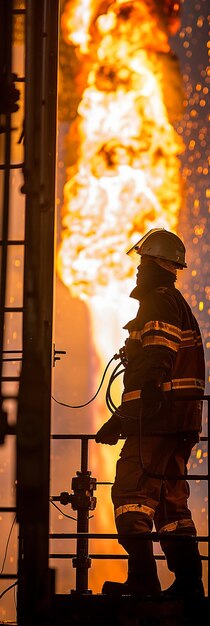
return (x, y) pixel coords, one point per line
(82, 536)
(82, 558)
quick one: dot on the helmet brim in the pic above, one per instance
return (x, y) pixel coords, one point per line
(141, 249)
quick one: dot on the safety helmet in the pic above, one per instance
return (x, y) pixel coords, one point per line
(162, 244)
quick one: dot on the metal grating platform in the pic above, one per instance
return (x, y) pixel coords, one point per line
(100, 610)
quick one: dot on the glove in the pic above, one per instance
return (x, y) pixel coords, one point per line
(110, 431)
(153, 398)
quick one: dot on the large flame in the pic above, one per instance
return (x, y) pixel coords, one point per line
(126, 175)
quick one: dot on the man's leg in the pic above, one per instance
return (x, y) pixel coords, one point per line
(174, 517)
(142, 569)
(135, 495)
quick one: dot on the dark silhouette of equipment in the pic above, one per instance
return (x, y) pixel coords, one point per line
(82, 501)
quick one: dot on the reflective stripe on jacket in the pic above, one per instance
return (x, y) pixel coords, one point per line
(165, 345)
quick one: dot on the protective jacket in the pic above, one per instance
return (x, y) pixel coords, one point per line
(164, 346)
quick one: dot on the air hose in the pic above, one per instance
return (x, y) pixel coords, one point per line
(110, 404)
(80, 406)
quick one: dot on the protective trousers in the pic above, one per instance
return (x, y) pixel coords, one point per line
(149, 487)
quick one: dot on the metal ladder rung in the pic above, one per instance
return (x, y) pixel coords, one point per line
(11, 166)
(12, 242)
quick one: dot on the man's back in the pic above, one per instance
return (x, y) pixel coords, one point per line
(165, 343)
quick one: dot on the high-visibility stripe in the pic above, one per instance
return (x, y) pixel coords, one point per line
(188, 343)
(188, 383)
(170, 329)
(190, 333)
(130, 508)
(167, 386)
(160, 341)
(136, 394)
(180, 523)
(190, 339)
(131, 395)
(176, 383)
(187, 338)
(163, 341)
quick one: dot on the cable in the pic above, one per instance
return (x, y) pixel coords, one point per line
(64, 514)
(8, 588)
(7, 545)
(80, 406)
(109, 401)
(110, 404)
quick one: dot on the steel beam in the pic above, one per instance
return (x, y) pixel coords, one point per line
(33, 425)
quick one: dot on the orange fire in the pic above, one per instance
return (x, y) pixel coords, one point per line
(125, 178)
(126, 175)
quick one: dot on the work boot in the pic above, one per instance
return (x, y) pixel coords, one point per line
(112, 588)
(184, 560)
(142, 570)
(142, 575)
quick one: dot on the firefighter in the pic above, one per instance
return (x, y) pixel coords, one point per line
(164, 365)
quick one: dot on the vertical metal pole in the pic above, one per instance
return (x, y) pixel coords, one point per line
(82, 559)
(6, 68)
(208, 522)
(84, 455)
(36, 579)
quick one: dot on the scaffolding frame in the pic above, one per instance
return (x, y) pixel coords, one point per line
(82, 536)
(33, 399)
(35, 578)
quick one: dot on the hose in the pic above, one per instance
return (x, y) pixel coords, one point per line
(80, 406)
(110, 404)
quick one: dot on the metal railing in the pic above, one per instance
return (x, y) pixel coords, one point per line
(82, 558)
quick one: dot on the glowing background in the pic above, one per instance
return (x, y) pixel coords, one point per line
(123, 175)
(78, 373)
(101, 218)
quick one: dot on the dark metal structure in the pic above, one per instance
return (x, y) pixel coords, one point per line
(7, 105)
(35, 579)
(36, 586)
(83, 502)
(37, 604)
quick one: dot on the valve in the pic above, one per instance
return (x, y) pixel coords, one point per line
(82, 500)
(65, 498)
(83, 486)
